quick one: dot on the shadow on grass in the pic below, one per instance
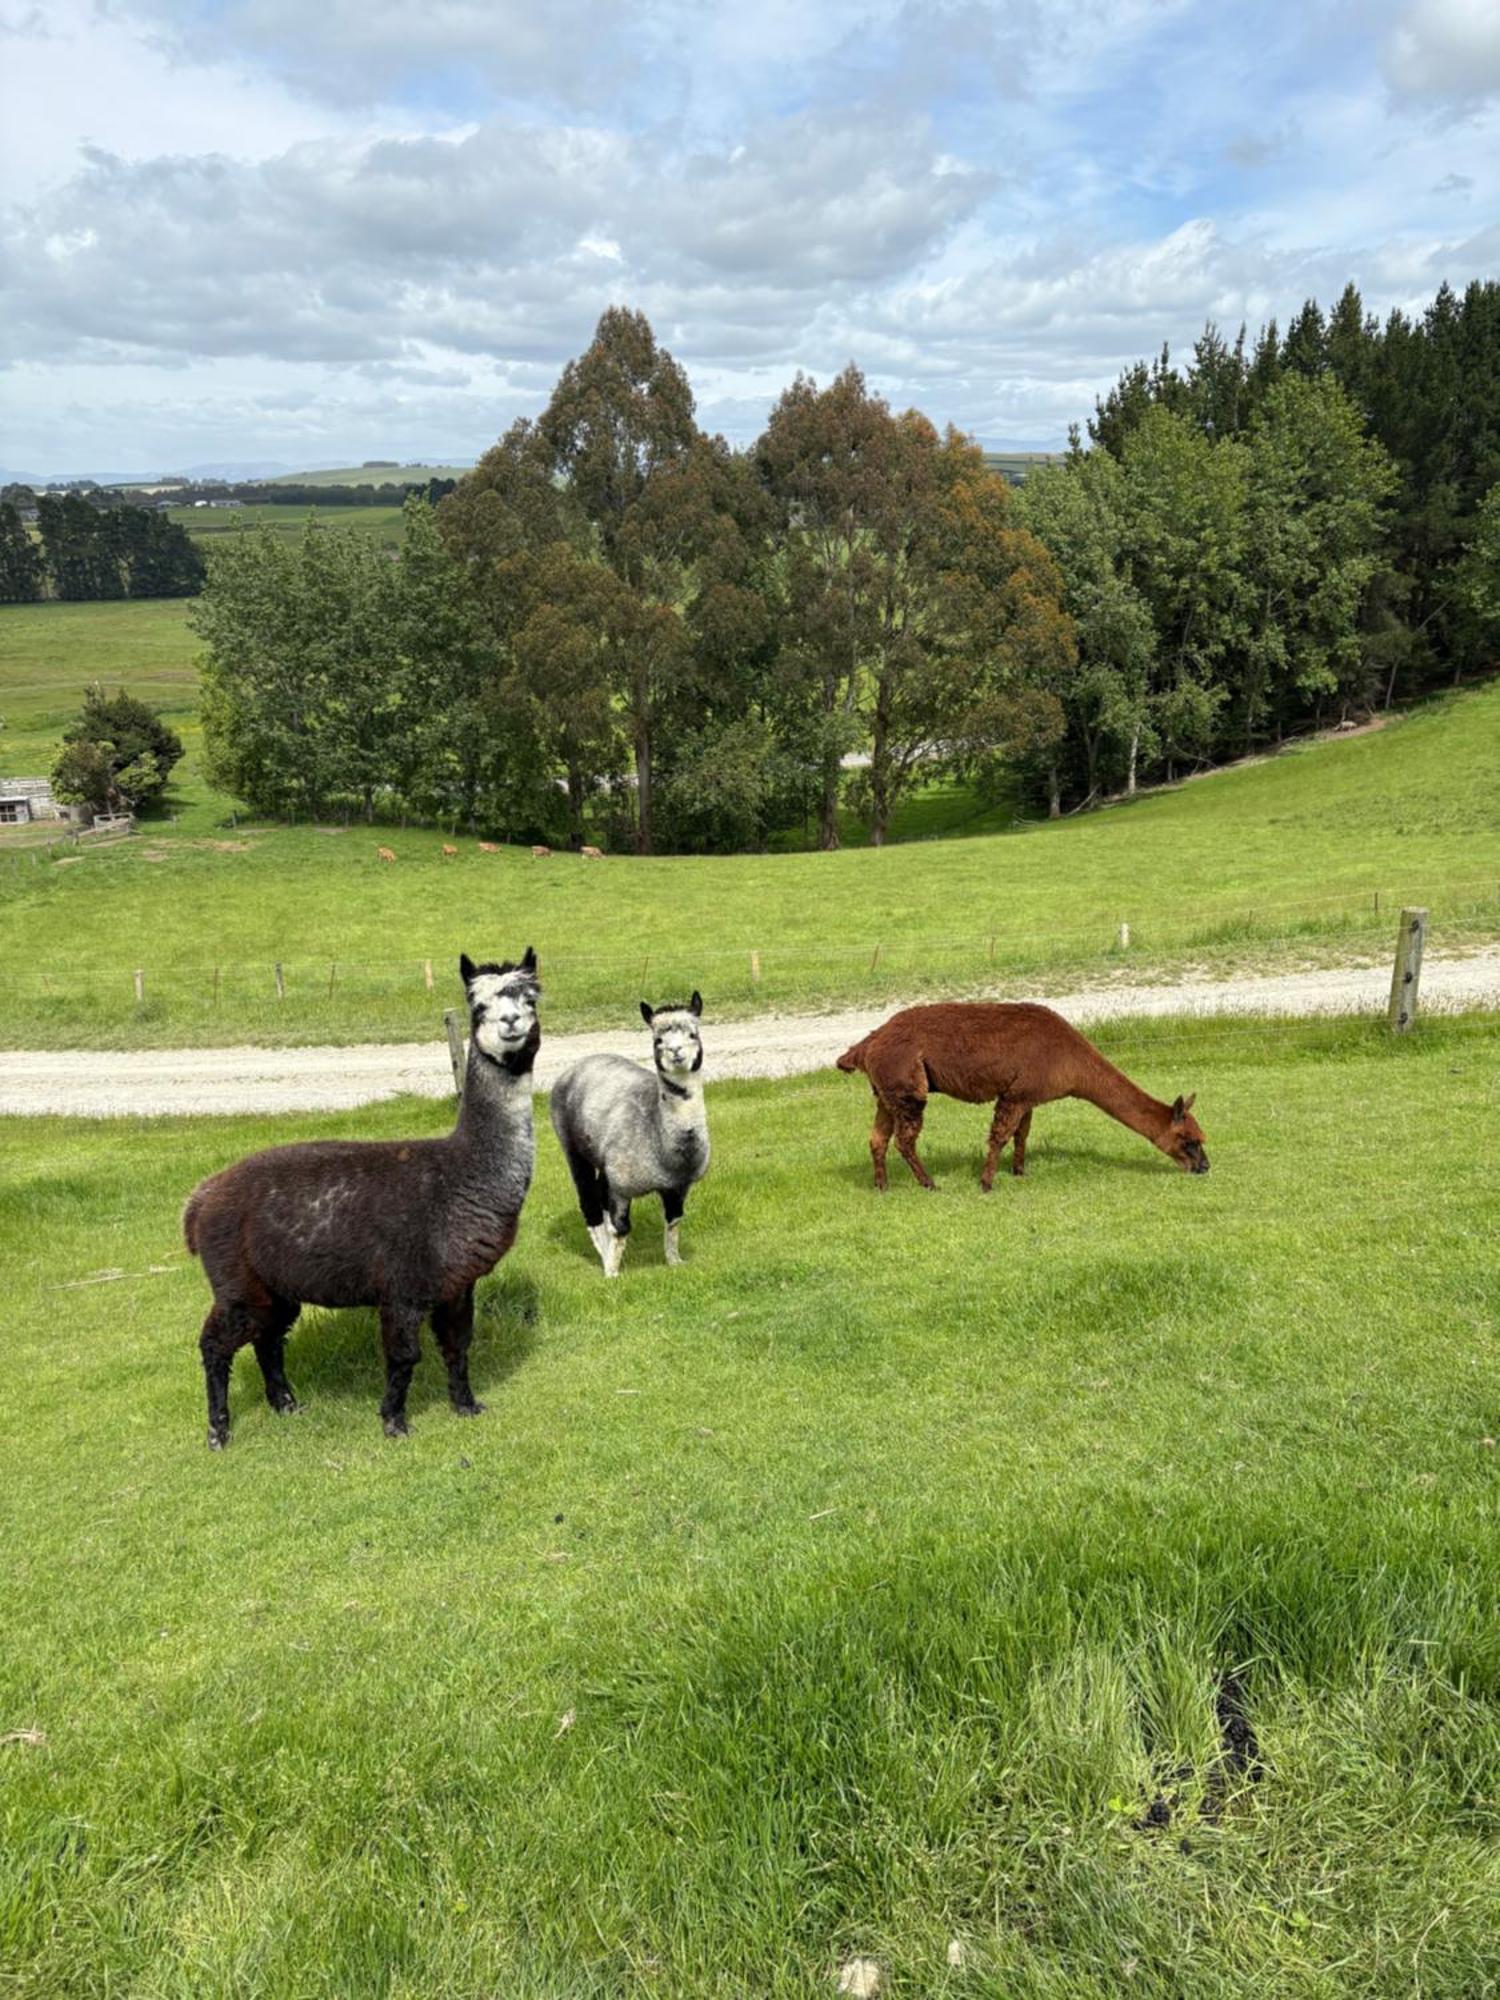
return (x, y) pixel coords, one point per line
(335, 1355)
(959, 1166)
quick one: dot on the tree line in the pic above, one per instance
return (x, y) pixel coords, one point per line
(88, 552)
(617, 626)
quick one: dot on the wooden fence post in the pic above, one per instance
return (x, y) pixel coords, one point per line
(1124, 935)
(427, 972)
(333, 966)
(140, 985)
(455, 1047)
(755, 967)
(280, 982)
(1406, 974)
(216, 986)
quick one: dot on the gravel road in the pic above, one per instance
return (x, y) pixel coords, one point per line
(112, 1083)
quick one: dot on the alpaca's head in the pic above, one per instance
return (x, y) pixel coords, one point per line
(503, 1002)
(675, 1040)
(1185, 1138)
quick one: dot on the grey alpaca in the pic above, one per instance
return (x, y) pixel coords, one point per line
(629, 1131)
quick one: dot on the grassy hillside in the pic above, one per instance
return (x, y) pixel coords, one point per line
(50, 652)
(368, 475)
(1269, 860)
(865, 1586)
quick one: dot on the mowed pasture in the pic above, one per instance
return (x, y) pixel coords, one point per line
(1093, 1582)
(1275, 863)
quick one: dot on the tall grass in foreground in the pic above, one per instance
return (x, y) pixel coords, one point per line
(864, 1587)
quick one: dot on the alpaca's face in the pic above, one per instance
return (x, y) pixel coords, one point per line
(676, 1041)
(1186, 1146)
(502, 1005)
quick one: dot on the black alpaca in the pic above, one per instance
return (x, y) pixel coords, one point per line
(407, 1225)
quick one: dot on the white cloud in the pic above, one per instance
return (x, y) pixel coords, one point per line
(1446, 50)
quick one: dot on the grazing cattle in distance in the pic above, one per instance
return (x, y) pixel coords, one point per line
(627, 1133)
(592, 853)
(1014, 1055)
(384, 854)
(405, 1225)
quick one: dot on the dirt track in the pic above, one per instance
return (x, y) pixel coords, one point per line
(106, 1083)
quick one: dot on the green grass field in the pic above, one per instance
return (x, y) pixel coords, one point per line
(207, 524)
(369, 475)
(858, 1589)
(1268, 864)
(50, 652)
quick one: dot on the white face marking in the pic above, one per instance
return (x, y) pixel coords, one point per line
(503, 1009)
(679, 1046)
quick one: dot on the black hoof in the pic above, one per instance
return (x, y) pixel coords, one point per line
(396, 1427)
(218, 1440)
(289, 1408)
(472, 1408)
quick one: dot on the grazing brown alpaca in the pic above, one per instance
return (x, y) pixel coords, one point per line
(1016, 1056)
(384, 854)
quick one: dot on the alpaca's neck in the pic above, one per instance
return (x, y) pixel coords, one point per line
(680, 1099)
(1112, 1091)
(496, 1108)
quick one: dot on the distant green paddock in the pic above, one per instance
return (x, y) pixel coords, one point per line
(369, 475)
(50, 652)
(209, 524)
(1268, 865)
(866, 1587)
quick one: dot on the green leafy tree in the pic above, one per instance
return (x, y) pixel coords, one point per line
(1316, 488)
(1080, 510)
(302, 704)
(117, 756)
(619, 431)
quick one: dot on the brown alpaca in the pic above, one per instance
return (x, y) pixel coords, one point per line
(448, 852)
(488, 847)
(1016, 1056)
(541, 853)
(592, 853)
(384, 854)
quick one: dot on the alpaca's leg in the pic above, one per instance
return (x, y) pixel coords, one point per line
(1018, 1151)
(617, 1230)
(673, 1201)
(453, 1329)
(218, 1344)
(270, 1352)
(401, 1337)
(909, 1113)
(880, 1140)
(1007, 1118)
(592, 1193)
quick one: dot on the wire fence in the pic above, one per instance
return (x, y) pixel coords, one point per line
(759, 967)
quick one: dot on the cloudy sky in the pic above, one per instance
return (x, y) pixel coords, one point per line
(269, 230)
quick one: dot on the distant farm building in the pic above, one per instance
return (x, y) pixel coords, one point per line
(26, 799)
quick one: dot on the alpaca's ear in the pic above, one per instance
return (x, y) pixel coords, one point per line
(1178, 1109)
(648, 1012)
(696, 1003)
(466, 969)
(1189, 1101)
(528, 963)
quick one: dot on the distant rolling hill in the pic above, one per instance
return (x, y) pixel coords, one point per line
(375, 473)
